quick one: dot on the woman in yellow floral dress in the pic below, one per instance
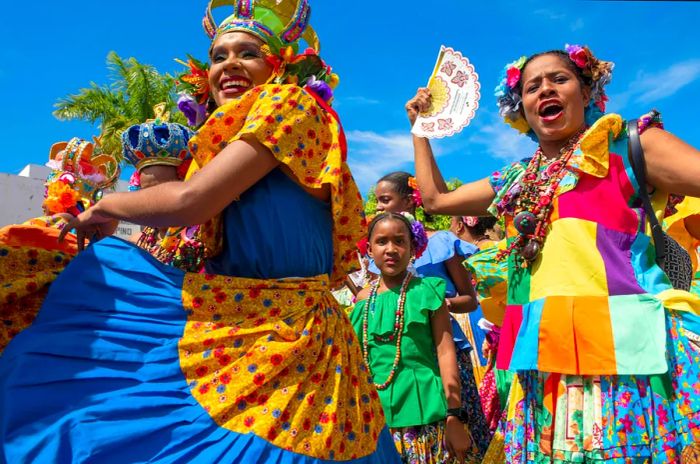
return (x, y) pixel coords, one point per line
(134, 361)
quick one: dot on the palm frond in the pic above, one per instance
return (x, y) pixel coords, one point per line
(92, 104)
(129, 99)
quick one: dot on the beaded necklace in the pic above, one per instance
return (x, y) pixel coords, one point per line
(533, 205)
(396, 335)
(183, 252)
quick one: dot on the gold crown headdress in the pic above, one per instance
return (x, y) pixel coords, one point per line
(79, 175)
(282, 21)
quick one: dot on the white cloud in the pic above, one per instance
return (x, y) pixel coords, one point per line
(650, 87)
(501, 141)
(371, 154)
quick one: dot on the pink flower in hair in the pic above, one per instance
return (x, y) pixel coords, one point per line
(417, 199)
(578, 55)
(512, 77)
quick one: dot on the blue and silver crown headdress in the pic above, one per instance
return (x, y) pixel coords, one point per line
(156, 143)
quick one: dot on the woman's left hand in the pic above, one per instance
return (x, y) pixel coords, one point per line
(457, 439)
(92, 225)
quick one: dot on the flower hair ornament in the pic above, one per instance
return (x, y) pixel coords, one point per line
(420, 237)
(597, 72)
(415, 195)
(282, 25)
(470, 221)
(193, 90)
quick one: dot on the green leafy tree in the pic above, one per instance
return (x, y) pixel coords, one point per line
(434, 222)
(129, 99)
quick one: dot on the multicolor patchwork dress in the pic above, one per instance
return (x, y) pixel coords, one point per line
(130, 360)
(593, 329)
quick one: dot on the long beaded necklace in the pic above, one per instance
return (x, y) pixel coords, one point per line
(183, 249)
(533, 206)
(397, 334)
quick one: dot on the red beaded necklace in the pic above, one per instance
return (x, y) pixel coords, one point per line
(397, 333)
(533, 206)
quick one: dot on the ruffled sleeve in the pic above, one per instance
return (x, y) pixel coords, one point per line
(442, 246)
(304, 135)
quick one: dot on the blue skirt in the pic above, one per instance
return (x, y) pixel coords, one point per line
(101, 375)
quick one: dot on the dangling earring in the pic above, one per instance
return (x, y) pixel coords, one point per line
(411, 268)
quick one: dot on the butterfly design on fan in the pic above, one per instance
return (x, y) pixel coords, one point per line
(448, 68)
(428, 126)
(445, 124)
(460, 79)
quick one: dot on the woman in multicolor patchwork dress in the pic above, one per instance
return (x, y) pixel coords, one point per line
(131, 360)
(593, 329)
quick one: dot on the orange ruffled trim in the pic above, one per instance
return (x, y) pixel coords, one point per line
(305, 136)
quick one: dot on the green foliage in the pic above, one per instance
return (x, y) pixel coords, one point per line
(435, 222)
(129, 99)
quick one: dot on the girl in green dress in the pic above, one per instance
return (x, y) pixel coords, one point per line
(405, 332)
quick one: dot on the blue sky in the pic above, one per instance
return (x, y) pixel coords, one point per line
(382, 50)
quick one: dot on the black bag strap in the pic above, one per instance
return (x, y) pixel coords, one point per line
(636, 156)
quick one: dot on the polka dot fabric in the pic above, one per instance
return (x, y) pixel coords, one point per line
(25, 274)
(305, 136)
(274, 358)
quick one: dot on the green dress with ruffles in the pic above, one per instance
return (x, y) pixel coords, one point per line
(416, 395)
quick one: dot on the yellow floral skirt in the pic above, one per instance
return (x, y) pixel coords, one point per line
(144, 362)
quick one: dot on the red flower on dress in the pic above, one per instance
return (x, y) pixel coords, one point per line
(272, 434)
(259, 379)
(626, 422)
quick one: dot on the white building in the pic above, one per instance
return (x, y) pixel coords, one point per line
(21, 197)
